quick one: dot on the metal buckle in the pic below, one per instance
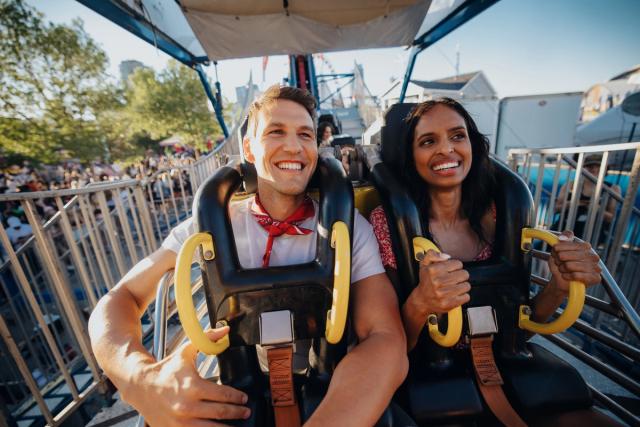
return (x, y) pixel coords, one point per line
(482, 321)
(276, 327)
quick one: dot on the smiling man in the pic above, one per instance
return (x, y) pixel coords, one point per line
(281, 143)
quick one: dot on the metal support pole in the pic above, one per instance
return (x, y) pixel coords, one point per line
(145, 218)
(112, 233)
(575, 194)
(595, 199)
(313, 80)
(75, 253)
(539, 182)
(625, 214)
(415, 50)
(64, 293)
(24, 370)
(216, 106)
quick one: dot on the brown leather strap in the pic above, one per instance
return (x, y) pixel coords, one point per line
(283, 396)
(490, 382)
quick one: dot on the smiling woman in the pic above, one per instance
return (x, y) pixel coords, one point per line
(450, 178)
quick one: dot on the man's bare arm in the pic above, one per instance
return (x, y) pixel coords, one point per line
(169, 392)
(114, 326)
(365, 380)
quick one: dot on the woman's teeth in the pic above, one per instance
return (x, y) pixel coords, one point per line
(446, 166)
(289, 166)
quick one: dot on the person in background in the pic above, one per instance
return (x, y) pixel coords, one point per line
(17, 231)
(325, 134)
(592, 164)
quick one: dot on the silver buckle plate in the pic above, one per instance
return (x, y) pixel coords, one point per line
(482, 321)
(276, 327)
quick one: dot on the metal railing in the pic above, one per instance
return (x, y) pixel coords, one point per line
(602, 351)
(601, 209)
(50, 283)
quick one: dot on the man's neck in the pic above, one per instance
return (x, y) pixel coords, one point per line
(279, 206)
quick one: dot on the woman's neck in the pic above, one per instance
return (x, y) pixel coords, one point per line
(445, 206)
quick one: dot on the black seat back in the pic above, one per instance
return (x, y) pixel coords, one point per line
(501, 282)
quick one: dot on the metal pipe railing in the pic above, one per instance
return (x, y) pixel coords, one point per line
(603, 215)
(620, 308)
(96, 235)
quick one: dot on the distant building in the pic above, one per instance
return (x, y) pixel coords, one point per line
(472, 90)
(604, 96)
(128, 67)
(473, 85)
(242, 91)
(610, 111)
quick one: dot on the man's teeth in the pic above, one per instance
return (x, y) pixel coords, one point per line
(446, 166)
(290, 166)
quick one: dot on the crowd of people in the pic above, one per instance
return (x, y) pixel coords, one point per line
(71, 174)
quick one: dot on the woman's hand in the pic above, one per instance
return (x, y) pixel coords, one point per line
(444, 284)
(572, 261)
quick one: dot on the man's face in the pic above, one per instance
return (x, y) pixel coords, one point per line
(284, 149)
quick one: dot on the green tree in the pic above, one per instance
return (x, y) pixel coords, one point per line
(53, 87)
(169, 103)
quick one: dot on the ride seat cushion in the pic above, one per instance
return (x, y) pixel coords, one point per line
(544, 382)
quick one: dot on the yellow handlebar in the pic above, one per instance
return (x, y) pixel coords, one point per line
(454, 328)
(575, 301)
(337, 316)
(184, 301)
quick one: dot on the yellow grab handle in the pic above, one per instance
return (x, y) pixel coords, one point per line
(575, 302)
(184, 300)
(454, 328)
(337, 316)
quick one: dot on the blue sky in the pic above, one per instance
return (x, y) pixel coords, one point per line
(523, 46)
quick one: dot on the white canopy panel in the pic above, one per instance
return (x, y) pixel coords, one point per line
(166, 16)
(438, 10)
(231, 29)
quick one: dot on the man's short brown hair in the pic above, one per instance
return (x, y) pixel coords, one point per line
(274, 93)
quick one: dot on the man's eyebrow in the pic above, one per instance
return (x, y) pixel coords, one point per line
(275, 125)
(282, 125)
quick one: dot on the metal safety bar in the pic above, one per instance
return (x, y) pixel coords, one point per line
(601, 208)
(618, 344)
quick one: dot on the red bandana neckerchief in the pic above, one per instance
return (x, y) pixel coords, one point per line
(277, 228)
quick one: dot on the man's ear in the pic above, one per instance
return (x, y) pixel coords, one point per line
(246, 149)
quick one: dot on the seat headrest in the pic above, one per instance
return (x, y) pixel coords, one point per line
(343, 139)
(393, 135)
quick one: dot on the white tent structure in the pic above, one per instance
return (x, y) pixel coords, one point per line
(198, 31)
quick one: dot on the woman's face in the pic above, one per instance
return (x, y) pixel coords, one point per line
(441, 148)
(326, 133)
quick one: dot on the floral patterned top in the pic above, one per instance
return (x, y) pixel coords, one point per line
(381, 229)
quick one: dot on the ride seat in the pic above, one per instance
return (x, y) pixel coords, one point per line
(441, 385)
(238, 295)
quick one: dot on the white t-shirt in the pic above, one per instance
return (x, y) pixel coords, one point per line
(251, 241)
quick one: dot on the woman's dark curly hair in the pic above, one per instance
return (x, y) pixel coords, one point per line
(477, 187)
(321, 127)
